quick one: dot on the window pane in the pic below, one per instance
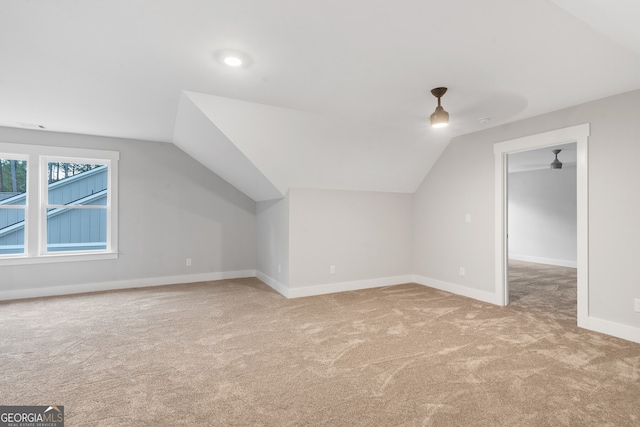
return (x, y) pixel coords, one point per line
(70, 229)
(13, 181)
(76, 184)
(11, 231)
(13, 188)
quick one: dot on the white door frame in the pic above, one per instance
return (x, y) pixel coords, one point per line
(580, 135)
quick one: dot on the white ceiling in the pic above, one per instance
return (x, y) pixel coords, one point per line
(348, 80)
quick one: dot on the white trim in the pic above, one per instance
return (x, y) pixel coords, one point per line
(548, 261)
(112, 205)
(580, 135)
(52, 257)
(273, 283)
(458, 289)
(123, 284)
(501, 211)
(330, 288)
(618, 330)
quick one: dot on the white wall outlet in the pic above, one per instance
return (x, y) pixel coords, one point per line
(332, 269)
(279, 268)
(462, 272)
(188, 262)
(637, 304)
(467, 218)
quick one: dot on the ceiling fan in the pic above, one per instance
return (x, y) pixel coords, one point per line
(556, 164)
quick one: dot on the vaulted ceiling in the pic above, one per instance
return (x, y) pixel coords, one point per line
(336, 94)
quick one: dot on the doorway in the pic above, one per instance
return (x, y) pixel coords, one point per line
(578, 134)
(542, 225)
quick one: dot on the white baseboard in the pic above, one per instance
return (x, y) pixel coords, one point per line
(607, 327)
(331, 288)
(273, 283)
(464, 291)
(122, 284)
(548, 261)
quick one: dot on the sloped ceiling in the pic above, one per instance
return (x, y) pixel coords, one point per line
(297, 149)
(337, 93)
(616, 20)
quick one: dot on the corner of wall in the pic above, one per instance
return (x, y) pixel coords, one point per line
(464, 291)
(274, 284)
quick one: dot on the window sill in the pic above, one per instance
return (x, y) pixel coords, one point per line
(53, 258)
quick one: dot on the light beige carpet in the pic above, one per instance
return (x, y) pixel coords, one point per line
(547, 290)
(235, 352)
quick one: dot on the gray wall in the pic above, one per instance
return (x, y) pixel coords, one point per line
(171, 208)
(273, 242)
(542, 216)
(365, 235)
(462, 181)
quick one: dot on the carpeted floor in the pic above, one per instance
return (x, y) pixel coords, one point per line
(546, 290)
(236, 353)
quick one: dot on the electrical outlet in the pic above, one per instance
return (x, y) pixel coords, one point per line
(332, 269)
(637, 304)
(461, 272)
(279, 268)
(467, 218)
(188, 262)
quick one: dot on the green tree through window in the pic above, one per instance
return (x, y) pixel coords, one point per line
(13, 176)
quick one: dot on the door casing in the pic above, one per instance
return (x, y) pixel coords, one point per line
(580, 135)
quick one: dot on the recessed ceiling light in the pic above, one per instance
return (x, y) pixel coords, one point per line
(232, 58)
(233, 61)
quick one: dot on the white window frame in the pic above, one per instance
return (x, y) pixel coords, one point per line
(35, 231)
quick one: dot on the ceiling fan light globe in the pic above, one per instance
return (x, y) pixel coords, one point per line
(439, 118)
(556, 164)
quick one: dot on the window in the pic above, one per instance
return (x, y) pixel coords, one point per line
(57, 204)
(13, 204)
